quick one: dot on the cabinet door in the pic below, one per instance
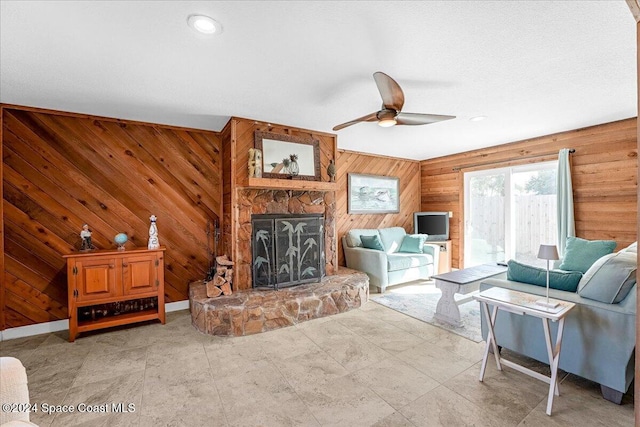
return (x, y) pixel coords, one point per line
(139, 274)
(96, 279)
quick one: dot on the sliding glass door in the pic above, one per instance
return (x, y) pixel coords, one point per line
(508, 213)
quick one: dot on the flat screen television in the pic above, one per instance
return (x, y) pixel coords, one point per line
(434, 224)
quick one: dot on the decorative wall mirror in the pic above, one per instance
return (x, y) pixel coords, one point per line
(286, 156)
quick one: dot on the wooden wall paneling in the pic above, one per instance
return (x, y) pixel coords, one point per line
(2, 282)
(604, 172)
(227, 137)
(410, 197)
(62, 169)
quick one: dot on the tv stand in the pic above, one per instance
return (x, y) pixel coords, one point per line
(444, 262)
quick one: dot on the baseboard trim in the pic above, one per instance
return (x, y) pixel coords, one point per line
(63, 325)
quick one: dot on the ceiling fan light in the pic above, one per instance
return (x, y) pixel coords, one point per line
(204, 24)
(387, 123)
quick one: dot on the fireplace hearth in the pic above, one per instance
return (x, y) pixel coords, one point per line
(287, 250)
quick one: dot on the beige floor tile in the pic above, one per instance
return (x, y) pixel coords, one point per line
(286, 343)
(312, 368)
(581, 404)
(346, 347)
(234, 356)
(435, 362)
(370, 366)
(344, 402)
(394, 420)
(508, 394)
(126, 389)
(100, 366)
(395, 381)
(443, 407)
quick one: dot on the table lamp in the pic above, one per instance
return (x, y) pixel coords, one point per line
(548, 252)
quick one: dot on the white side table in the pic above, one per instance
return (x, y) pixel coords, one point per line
(524, 304)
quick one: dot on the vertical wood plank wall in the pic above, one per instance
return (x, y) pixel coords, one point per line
(61, 170)
(407, 170)
(604, 174)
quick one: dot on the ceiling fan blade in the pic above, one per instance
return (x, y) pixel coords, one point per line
(373, 117)
(420, 119)
(390, 91)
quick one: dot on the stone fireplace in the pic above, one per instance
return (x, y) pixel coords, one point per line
(287, 249)
(253, 202)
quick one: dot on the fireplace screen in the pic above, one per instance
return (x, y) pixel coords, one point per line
(287, 249)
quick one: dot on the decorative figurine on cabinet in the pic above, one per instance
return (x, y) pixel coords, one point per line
(154, 243)
(85, 235)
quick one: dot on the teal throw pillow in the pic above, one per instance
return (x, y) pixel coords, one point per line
(580, 254)
(412, 244)
(561, 280)
(610, 278)
(371, 242)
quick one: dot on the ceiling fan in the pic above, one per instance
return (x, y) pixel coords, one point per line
(392, 102)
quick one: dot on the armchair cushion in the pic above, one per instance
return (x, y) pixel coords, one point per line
(610, 278)
(412, 244)
(353, 236)
(580, 254)
(371, 242)
(402, 261)
(392, 238)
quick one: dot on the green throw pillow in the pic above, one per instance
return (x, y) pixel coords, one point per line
(371, 242)
(580, 254)
(561, 280)
(412, 244)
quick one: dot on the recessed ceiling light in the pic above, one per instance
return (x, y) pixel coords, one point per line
(204, 24)
(477, 118)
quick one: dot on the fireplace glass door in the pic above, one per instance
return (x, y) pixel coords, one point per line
(287, 250)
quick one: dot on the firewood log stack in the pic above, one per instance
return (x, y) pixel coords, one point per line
(222, 279)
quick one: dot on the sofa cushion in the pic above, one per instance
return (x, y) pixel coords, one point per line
(610, 278)
(632, 248)
(558, 279)
(371, 242)
(402, 261)
(353, 236)
(412, 244)
(580, 254)
(392, 238)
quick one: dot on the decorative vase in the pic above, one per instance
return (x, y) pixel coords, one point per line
(120, 239)
(154, 242)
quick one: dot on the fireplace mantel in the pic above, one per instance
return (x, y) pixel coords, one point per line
(291, 184)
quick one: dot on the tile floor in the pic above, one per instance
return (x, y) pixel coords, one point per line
(368, 367)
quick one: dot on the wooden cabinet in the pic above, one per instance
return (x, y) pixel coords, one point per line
(122, 286)
(444, 263)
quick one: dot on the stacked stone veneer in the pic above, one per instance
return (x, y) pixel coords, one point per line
(286, 202)
(253, 311)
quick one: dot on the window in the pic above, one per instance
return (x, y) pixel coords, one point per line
(509, 212)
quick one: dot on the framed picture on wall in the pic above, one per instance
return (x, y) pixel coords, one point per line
(373, 194)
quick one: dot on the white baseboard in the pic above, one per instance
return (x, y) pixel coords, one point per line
(63, 325)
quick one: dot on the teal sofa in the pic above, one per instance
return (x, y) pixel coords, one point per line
(388, 267)
(598, 342)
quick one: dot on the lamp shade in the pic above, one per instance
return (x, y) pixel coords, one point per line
(548, 252)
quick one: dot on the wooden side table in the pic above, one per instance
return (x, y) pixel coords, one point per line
(523, 304)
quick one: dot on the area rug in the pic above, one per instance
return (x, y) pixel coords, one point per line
(419, 300)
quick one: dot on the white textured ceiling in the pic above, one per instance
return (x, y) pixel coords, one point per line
(532, 67)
